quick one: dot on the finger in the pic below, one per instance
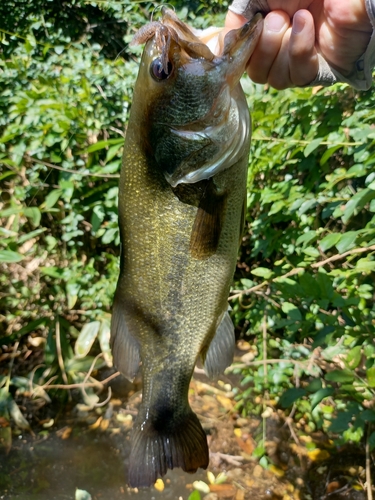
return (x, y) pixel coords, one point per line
(275, 25)
(279, 75)
(303, 57)
(233, 21)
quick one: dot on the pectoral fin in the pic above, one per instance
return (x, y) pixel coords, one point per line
(221, 350)
(208, 223)
(125, 348)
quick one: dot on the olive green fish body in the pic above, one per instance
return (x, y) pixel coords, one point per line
(180, 226)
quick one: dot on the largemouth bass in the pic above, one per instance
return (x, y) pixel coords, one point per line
(181, 206)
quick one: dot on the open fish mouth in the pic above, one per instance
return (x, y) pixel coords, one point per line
(205, 144)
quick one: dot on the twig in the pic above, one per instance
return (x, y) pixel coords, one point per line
(343, 255)
(304, 143)
(298, 270)
(59, 353)
(7, 383)
(368, 466)
(264, 328)
(230, 459)
(79, 385)
(107, 399)
(261, 362)
(71, 171)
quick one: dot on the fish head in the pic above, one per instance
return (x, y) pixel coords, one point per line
(197, 120)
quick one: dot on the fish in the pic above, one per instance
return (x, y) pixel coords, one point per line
(182, 196)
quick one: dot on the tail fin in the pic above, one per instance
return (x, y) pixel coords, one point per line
(158, 446)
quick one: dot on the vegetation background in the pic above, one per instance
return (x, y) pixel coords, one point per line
(303, 294)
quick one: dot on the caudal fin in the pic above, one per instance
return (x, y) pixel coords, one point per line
(158, 446)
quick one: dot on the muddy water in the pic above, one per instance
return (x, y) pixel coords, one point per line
(52, 468)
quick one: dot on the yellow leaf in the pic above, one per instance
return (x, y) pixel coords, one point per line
(238, 432)
(275, 470)
(318, 455)
(210, 477)
(96, 424)
(225, 402)
(159, 485)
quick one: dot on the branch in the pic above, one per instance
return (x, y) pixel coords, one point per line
(82, 384)
(71, 171)
(298, 270)
(304, 143)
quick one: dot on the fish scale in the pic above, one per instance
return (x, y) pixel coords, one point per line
(179, 240)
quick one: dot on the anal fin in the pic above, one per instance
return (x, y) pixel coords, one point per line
(221, 350)
(125, 348)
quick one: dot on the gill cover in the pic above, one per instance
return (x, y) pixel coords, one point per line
(198, 123)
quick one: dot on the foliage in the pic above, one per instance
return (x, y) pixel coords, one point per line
(305, 283)
(304, 287)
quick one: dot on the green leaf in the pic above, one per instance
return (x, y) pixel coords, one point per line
(34, 214)
(109, 235)
(353, 357)
(320, 395)
(311, 252)
(312, 146)
(102, 145)
(291, 395)
(262, 272)
(341, 376)
(329, 241)
(292, 311)
(371, 441)
(370, 373)
(10, 256)
(366, 266)
(32, 234)
(53, 271)
(368, 415)
(356, 203)
(347, 241)
(86, 338)
(195, 495)
(52, 198)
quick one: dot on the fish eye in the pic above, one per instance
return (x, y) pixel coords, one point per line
(157, 70)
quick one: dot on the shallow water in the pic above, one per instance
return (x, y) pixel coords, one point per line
(52, 468)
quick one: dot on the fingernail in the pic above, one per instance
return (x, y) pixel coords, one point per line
(274, 22)
(298, 23)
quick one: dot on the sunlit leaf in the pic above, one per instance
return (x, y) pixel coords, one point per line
(10, 256)
(263, 272)
(329, 241)
(86, 338)
(354, 357)
(312, 146)
(17, 416)
(82, 495)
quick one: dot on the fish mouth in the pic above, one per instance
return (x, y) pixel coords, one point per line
(236, 48)
(218, 138)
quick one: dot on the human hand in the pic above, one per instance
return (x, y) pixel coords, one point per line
(295, 30)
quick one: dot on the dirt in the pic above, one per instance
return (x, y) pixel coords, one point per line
(88, 448)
